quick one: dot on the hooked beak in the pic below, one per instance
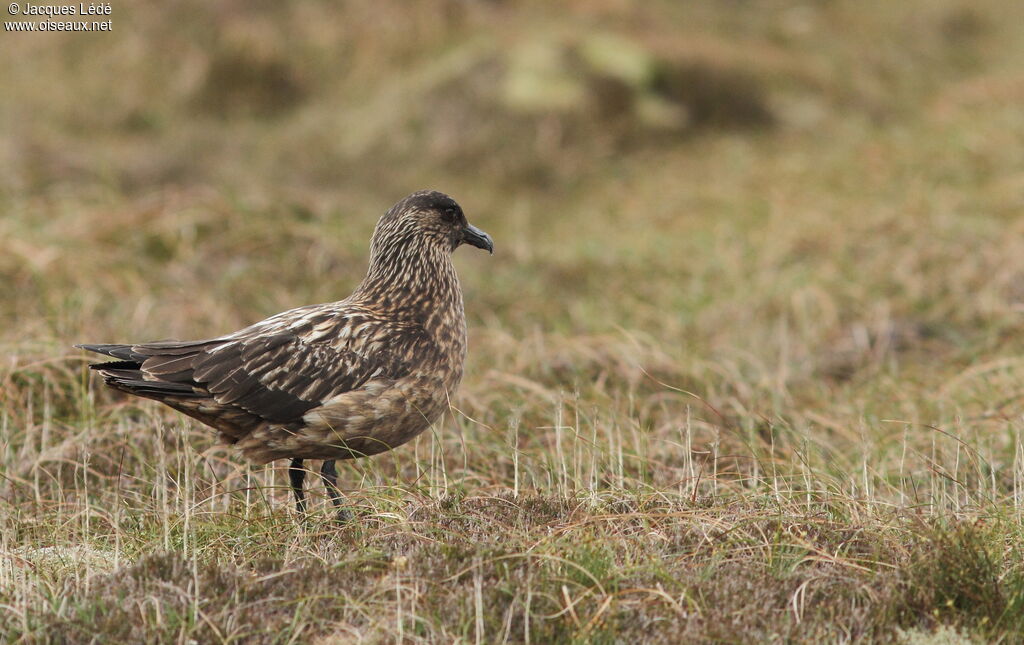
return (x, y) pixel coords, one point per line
(475, 237)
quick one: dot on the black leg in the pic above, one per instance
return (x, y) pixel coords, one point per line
(330, 477)
(296, 473)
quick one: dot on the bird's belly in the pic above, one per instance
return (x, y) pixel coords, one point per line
(373, 419)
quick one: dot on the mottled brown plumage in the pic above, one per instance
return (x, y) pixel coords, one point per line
(332, 381)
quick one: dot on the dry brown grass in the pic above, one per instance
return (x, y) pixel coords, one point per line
(746, 367)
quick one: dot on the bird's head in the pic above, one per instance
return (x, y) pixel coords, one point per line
(424, 218)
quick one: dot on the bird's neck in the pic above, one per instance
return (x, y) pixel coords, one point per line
(411, 283)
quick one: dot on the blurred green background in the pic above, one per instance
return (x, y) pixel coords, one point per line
(683, 159)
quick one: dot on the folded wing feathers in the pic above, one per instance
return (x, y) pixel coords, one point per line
(167, 367)
(175, 347)
(279, 378)
(273, 371)
(123, 352)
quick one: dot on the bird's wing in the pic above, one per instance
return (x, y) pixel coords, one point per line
(275, 377)
(275, 370)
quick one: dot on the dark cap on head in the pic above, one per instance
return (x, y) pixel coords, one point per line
(429, 200)
(450, 221)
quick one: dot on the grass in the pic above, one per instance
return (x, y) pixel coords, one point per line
(746, 366)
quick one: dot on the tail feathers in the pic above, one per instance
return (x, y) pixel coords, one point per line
(173, 380)
(116, 365)
(133, 382)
